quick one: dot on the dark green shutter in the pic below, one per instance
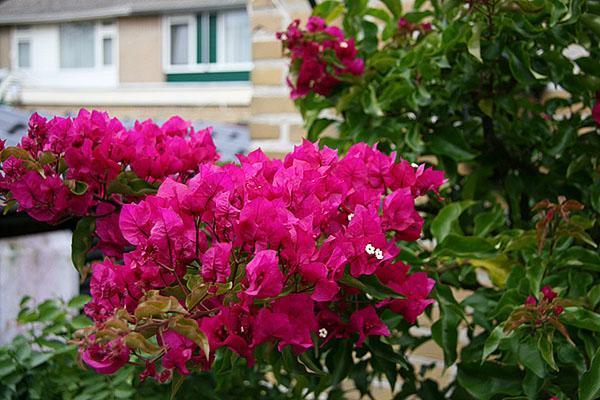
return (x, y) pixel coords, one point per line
(212, 19)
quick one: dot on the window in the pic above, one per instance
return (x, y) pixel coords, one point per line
(24, 53)
(179, 44)
(209, 46)
(236, 34)
(77, 45)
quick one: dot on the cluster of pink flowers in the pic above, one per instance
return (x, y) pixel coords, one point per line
(64, 166)
(320, 55)
(548, 296)
(536, 313)
(234, 256)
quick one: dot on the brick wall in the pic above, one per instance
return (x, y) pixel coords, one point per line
(275, 124)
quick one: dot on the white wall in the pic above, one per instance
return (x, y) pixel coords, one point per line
(36, 265)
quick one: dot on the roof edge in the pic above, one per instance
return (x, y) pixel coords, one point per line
(110, 12)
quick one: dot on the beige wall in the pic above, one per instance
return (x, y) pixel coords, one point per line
(275, 124)
(140, 49)
(4, 47)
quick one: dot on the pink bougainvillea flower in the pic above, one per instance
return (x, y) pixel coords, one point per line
(532, 301)
(106, 358)
(548, 293)
(366, 322)
(596, 109)
(179, 350)
(291, 319)
(399, 214)
(263, 276)
(215, 263)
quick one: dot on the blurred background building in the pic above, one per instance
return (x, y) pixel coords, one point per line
(215, 61)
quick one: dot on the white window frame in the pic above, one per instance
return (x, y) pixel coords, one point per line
(101, 31)
(192, 66)
(21, 34)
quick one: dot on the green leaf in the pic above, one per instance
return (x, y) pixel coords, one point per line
(318, 126)
(581, 318)
(530, 357)
(484, 382)
(157, 305)
(487, 107)
(579, 257)
(329, 10)
(370, 103)
(589, 385)
(544, 345)
(129, 184)
(137, 341)
(79, 301)
(445, 331)
(451, 144)
(15, 152)
(594, 296)
(441, 225)
(492, 342)
(311, 365)
(76, 187)
(176, 385)
(339, 361)
(518, 68)
(189, 328)
(370, 284)
(473, 44)
(395, 7)
(465, 247)
(82, 240)
(487, 221)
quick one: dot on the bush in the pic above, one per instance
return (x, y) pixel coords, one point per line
(469, 86)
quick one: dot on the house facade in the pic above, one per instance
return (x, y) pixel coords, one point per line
(213, 60)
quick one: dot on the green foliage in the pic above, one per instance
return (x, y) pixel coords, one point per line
(475, 95)
(42, 364)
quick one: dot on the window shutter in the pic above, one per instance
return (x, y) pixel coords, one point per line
(213, 37)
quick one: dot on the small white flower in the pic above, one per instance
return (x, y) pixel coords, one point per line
(344, 45)
(350, 216)
(414, 165)
(370, 249)
(323, 332)
(378, 254)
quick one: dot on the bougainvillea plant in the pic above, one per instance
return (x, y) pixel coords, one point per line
(295, 253)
